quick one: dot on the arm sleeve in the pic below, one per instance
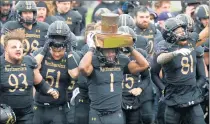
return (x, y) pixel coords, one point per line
(155, 70)
(145, 77)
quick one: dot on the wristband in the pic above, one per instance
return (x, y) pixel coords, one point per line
(92, 49)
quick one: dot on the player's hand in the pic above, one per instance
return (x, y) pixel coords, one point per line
(183, 51)
(46, 47)
(68, 48)
(90, 40)
(53, 92)
(129, 49)
(189, 10)
(136, 91)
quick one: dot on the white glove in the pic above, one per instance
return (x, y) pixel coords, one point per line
(90, 41)
(183, 51)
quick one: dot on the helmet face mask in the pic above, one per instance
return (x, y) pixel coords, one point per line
(107, 56)
(180, 34)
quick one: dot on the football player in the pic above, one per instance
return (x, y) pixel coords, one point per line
(58, 66)
(178, 59)
(202, 21)
(18, 76)
(138, 95)
(72, 17)
(26, 19)
(7, 14)
(145, 28)
(104, 70)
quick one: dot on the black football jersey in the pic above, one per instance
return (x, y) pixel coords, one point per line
(16, 82)
(35, 38)
(105, 85)
(55, 73)
(73, 19)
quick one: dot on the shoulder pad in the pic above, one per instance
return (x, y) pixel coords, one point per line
(153, 28)
(143, 52)
(30, 61)
(194, 37)
(123, 59)
(43, 25)
(76, 56)
(95, 61)
(10, 25)
(76, 16)
(141, 42)
(161, 47)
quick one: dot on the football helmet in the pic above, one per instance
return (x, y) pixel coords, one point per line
(126, 20)
(201, 12)
(171, 25)
(7, 115)
(187, 20)
(99, 12)
(26, 6)
(60, 33)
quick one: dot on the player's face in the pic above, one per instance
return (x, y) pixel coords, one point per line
(205, 22)
(5, 9)
(41, 14)
(27, 15)
(14, 51)
(179, 33)
(143, 19)
(63, 7)
(110, 54)
(57, 53)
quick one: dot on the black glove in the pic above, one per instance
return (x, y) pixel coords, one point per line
(46, 47)
(129, 49)
(68, 48)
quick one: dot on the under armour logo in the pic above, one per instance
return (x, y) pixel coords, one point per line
(80, 100)
(191, 103)
(93, 119)
(129, 107)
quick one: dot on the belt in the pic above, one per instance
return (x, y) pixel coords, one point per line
(105, 113)
(190, 103)
(49, 105)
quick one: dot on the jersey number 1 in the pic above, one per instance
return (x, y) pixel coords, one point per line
(112, 82)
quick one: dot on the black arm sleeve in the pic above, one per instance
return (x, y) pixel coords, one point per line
(145, 77)
(200, 71)
(155, 70)
(42, 87)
